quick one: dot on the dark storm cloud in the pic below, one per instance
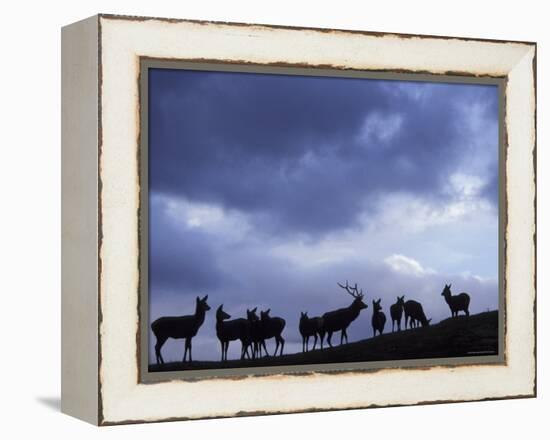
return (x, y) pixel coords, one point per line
(180, 259)
(292, 151)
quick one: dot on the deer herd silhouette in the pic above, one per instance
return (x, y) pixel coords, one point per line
(253, 331)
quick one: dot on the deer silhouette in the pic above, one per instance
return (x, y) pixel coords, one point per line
(396, 312)
(231, 331)
(340, 319)
(179, 327)
(378, 317)
(272, 327)
(309, 327)
(414, 312)
(456, 302)
(256, 333)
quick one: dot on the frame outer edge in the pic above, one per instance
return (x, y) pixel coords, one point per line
(79, 220)
(109, 422)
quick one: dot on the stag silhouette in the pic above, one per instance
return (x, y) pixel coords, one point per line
(378, 317)
(457, 303)
(396, 312)
(414, 312)
(272, 327)
(339, 320)
(231, 331)
(179, 327)
(310, 327)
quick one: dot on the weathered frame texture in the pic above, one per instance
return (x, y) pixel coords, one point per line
(104, 386)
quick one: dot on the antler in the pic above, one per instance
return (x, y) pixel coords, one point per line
(353, 291)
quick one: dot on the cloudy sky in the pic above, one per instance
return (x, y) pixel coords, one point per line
(266, 190)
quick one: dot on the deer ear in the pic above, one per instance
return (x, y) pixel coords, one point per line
(254, 309)
(450, 286)
(198, 299)
(205, 298)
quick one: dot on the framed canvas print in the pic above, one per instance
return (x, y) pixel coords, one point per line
(275, 220)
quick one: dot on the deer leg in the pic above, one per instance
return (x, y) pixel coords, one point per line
(329, 337)
(190, 356)
(282, 345)
(321, 336)
(276, 346)
(314, 341)
(265, 348)
(244, 349)
(158, 346)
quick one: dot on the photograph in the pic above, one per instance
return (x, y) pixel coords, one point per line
(308, 218)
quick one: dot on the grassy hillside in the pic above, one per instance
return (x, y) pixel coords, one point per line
(464, 336)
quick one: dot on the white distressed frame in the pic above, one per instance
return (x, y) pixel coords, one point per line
(122, 41)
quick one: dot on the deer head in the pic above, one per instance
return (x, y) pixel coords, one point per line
(446, 290)
(401, 300)
(251, 314)
(221, 315)
(202, 305)
(356, 294)
(376, 305)
(264, 314)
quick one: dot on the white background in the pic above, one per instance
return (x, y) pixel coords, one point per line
(30, 217)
